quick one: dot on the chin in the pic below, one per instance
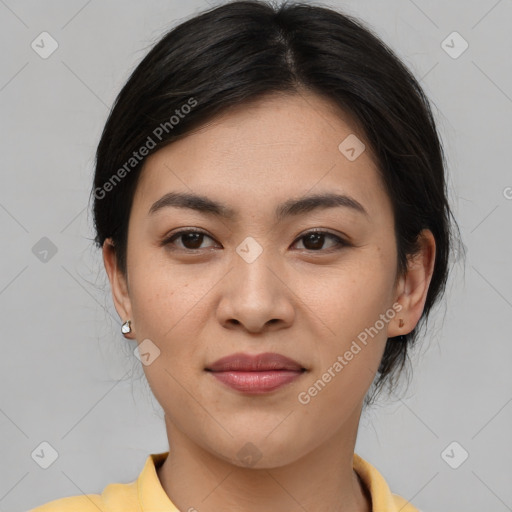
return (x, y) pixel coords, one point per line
(259, 452)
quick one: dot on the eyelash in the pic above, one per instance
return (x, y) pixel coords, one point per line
(340, 243)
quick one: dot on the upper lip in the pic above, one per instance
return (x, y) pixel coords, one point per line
(254, 363)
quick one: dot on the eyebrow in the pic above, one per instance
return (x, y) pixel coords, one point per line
(291, 207)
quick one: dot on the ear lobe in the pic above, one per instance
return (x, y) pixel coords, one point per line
(118, 283)
(414, 285)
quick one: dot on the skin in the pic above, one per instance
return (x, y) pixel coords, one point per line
(304, 302)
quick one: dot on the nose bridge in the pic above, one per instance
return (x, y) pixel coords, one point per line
(254, 293)
(252, 268)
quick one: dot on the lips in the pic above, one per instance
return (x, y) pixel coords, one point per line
(256, 375)
(254, 363)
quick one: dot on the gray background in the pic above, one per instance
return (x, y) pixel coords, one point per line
(69, 377)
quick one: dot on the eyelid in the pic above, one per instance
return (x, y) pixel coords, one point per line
(324, 231)
(341, 239)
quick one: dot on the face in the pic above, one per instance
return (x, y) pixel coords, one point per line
(305, 284)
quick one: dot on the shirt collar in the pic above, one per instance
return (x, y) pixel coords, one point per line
(153, 498)
(382, 498)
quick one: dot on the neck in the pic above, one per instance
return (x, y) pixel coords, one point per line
(323, 480)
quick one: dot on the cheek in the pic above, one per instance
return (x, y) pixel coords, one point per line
(353, 295)
(355, 310)
(166, 300)
(166, 311)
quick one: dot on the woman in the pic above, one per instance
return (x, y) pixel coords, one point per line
(271, 204)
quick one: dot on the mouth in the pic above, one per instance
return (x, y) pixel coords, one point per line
(268, 361)
(256, 374)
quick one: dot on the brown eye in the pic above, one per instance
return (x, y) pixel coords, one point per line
(314, 240)
(190, 239)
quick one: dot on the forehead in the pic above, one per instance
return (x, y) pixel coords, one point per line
(267, 151)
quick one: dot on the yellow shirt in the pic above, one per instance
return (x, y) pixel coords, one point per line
(146, 494)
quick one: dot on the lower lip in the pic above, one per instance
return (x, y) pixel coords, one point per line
(257, 382)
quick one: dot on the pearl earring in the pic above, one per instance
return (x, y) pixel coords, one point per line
(126, 327)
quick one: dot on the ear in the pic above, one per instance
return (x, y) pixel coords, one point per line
(412, 288)
(118, 282)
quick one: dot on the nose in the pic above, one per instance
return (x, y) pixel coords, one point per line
(256, 296)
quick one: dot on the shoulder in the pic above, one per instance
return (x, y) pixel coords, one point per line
(84, 503)
(117, 497)
(381, 496)
(114, 498)
(403, 505)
